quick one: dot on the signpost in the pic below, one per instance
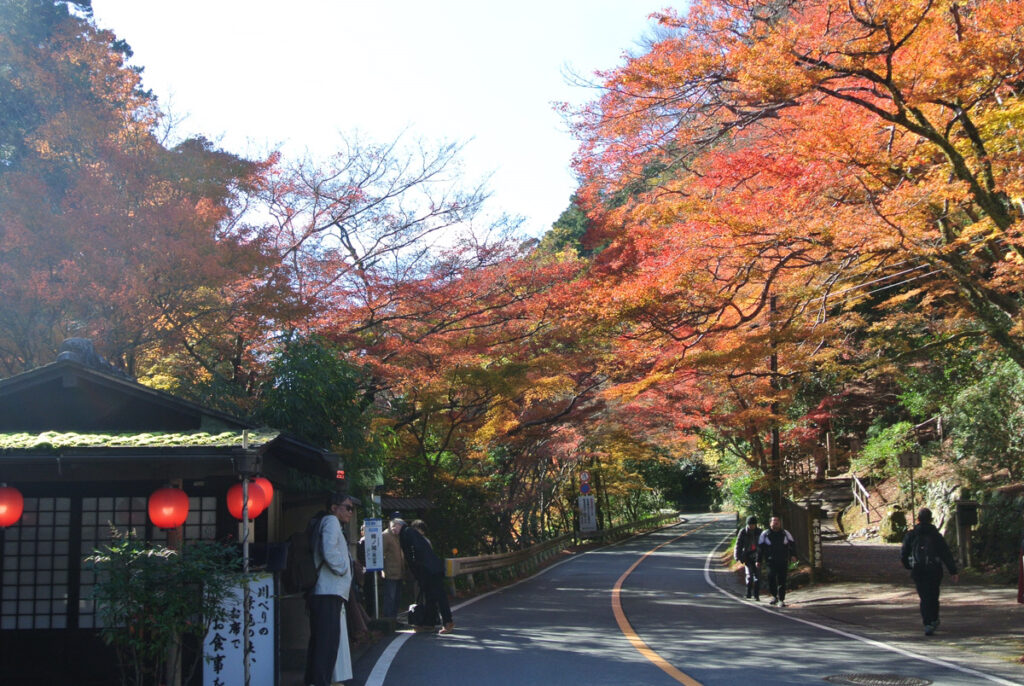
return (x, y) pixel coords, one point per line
(373, 548)
(588, 514)
(908, 460)
(587, 505)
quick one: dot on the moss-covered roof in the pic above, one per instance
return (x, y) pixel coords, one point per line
(56, 440)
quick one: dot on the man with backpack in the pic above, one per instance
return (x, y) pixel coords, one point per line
(924, 552)
(328, 660)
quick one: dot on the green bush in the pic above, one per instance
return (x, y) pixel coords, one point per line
(880, 455)
(894, 525)
(988, 424)
(149, 597)
(747, 496)
(996, 540)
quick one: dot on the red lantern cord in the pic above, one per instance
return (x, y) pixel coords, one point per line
(257, 501)
(168, 507)
(12, 504)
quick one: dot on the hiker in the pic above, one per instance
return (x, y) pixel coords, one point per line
(746, 553)
(775, 548)
(329, 659)
(924, 552)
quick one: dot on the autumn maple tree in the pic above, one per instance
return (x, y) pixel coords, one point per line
(105, 231)
(770, 178)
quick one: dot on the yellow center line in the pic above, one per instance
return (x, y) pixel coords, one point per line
(627, 628)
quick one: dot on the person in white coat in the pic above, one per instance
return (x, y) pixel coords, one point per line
(328, 660)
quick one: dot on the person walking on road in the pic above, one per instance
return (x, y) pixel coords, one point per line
(746, 553)
(428, 569)
(775, 548)
(924, 552)
(329, 660)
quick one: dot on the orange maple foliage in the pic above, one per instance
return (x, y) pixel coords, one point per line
(769, 170)
(104, 231)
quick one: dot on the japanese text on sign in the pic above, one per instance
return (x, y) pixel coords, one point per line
(373, 544)
(225, 641)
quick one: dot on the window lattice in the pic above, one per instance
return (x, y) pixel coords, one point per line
(39, 565)
(36, 566)
(131, 513)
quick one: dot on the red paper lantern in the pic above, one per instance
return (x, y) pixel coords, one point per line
(12, 504)
(257, 501)
(267, 487)
(168, 507)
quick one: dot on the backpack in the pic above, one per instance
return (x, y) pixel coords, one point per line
(924, 551)
(301, 571)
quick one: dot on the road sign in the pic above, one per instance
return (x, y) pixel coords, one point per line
(373, 544)
(584, 477)
(584, 488)
(588, 514)
(910, 459)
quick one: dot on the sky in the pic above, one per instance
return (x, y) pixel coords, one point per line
(296, 76)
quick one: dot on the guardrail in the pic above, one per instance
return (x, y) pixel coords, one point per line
(861, 495)
(526, 561)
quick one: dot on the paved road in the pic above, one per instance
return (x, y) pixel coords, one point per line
(646, 611)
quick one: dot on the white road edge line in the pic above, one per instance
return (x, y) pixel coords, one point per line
(862, 639)
(383, 664)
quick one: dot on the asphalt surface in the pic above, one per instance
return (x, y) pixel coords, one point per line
(663, 608)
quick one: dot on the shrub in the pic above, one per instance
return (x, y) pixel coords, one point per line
(748, 497)
(997, 538)
(149, 597)
(880, 455)
(894, 525)
(988, 424)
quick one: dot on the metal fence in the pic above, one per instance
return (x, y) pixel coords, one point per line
(523, 562)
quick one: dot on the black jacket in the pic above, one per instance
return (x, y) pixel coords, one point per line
(942, 555)
(776, 547)
(418, 553)
(746, 545)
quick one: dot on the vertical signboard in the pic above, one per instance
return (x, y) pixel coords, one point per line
(373, 544)
(225, 642)
(588, 514)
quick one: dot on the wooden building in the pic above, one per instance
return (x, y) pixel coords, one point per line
(86, 446)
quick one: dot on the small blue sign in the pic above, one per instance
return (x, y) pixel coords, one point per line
(584, 488)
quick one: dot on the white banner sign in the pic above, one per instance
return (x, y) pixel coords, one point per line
(588, 514)
(373, 544)
(225, 642)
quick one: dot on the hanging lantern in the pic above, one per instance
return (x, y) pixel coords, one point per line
(168, 507)
(257, 501)
(267, 488)
(12, 504)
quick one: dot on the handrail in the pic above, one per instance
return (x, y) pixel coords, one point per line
(861, 495)
(457, 566)
(529, 558)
